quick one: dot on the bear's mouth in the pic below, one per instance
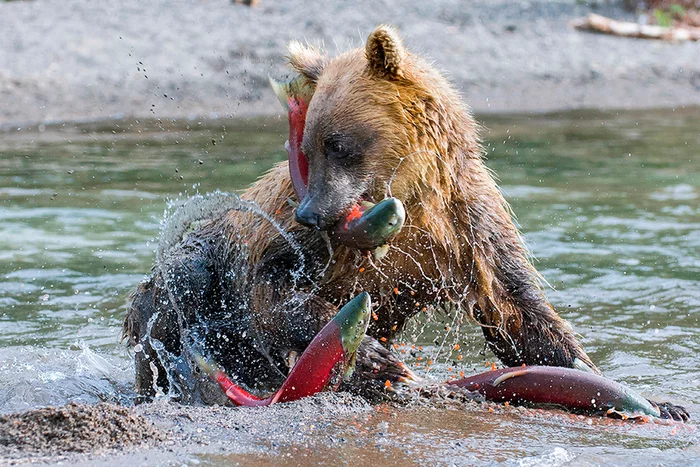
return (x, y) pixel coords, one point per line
(362, 224)
(352, 210)
(368, 226)
(364, 199)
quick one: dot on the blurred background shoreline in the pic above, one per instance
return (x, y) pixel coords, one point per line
(74, 60)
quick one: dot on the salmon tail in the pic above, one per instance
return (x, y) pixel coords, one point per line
(281, 91)
(240, 396)
(235, 393)
(209, 367)
(298, 88)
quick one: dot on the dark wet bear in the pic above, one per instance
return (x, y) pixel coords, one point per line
(382, 121)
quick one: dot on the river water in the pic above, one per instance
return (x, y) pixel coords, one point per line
(609, 204)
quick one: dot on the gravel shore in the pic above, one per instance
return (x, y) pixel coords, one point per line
(78, 60)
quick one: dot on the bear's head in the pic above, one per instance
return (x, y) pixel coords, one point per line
(382, 122)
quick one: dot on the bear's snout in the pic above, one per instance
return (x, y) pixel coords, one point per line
(308, 214)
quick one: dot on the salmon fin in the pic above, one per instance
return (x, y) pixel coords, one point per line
(282, 91)
(507, 376)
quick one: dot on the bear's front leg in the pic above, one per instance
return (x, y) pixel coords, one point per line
(525, 329)
(177, 290)
(374, 366)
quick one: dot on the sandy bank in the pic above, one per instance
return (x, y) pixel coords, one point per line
(77, 60)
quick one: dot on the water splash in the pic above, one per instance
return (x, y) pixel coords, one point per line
(36, 377)
(181, 218)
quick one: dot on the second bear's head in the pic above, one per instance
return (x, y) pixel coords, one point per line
(382, 122)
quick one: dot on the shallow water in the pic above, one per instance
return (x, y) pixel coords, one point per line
(609, 204)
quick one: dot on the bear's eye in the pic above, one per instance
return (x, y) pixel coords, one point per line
(339, 147)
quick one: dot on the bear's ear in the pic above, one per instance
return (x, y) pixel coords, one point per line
(385, 52)
(306, 60)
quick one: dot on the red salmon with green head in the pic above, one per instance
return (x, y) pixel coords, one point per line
(326, 361)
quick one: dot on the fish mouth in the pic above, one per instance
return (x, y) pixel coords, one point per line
(334, 219)
(367, 225)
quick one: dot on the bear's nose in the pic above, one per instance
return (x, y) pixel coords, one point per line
(309, 217)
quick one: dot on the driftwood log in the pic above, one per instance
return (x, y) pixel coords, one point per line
(606, 25)
(633, 5)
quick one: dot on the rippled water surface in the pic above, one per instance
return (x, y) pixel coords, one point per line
(609, 204)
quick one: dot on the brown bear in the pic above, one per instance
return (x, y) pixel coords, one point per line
(252, 290)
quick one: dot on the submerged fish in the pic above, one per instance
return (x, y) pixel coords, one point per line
(326, 361)
(574, 390)
(367, 226)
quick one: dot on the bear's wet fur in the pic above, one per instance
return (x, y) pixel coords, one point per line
(459, 250)
(382, 121)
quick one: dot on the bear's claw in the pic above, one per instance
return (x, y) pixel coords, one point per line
(375, 365)
(671, 411)
(374, 361)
